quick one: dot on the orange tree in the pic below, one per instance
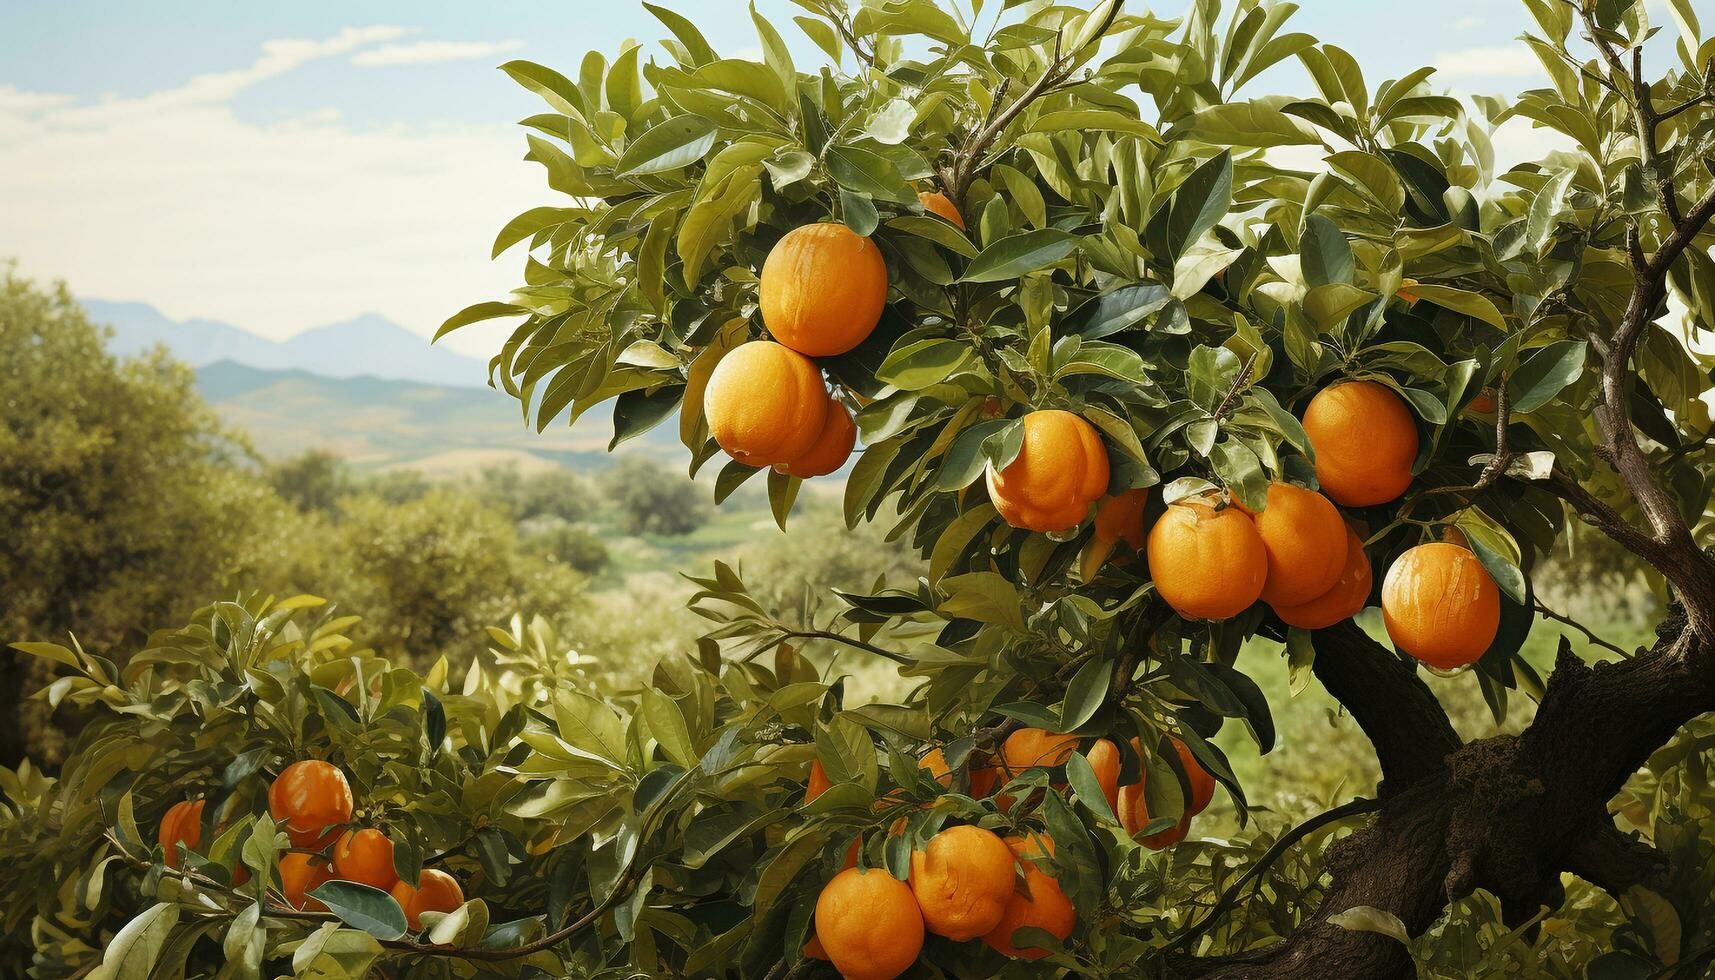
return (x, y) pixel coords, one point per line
(1139, 384)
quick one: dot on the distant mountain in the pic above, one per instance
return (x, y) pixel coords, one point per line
(368, 345)
(379, 423)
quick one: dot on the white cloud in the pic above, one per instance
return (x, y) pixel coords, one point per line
(1467, 23)
(172, 199)
(432, 52)
(1499, 61)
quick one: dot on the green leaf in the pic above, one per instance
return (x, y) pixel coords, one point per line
(1324, 254)
(1116, 310)
(986, 597)
(1252, 124)
(935, 230)
(1547, 372)
(362, 907)
(922, 364)
(670, 145)
(1460, 301)
(866, 172)
(132, 952)
(892, 124)
(1018, 255)
(553, 87)
(1088, 788)
(667, 723)
(1085, 693)
(695, 45)
(1200, 202)
(1363, 918)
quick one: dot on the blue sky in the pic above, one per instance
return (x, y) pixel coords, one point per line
(286, 165)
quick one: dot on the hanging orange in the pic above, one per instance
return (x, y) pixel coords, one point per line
(1207, 563)
(312, 800)
(869, 924)
(1041, 904)
(182, 824)
(1440, 605)
(436, 891)
(1060, 470)
(962, 880)
(1104, 758)
(366, 857)
(1341, 602)
(1305, 539)
(1365, 442)
(823, 289)
(765, 404)
(833, 445)
(935, 763)
(940, 204)
(301, 874)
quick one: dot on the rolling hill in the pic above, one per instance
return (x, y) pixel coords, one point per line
(380, 423)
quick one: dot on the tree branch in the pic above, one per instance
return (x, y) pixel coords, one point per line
(1389, 701)
(1285, 843)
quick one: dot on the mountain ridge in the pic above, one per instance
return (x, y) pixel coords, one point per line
(368, 344)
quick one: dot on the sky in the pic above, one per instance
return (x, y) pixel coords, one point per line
(285, 166)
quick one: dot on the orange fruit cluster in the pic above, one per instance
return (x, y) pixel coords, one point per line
(312, 802)
(966, 883)
(822, 291)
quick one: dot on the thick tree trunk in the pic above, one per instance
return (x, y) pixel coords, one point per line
(1505, 814)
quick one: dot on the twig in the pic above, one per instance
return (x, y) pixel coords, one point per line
(1238, 384)
(1273, 854)
(829, 635)
(1548, 613)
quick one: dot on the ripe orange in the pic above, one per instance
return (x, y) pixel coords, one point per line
(1133, 809)
(823, 289)
(181, 825)
(1341, 602)
(982, 777)
(1030, 747)
(833, 445)
(1120, 517)
(366, 857)
(1207, 563)
(1440, 605)
(940, 204)
(301, 874)
(1041, 904)
(813, 949)
(1365, 442)
(1104, 758)
(818, 785)
(869, 924)
(1483, 404)
(1061, 468)
(765, 404)
(962, 881)
(436, 891)
(818, 781)
(312, 800)
(1305, 539)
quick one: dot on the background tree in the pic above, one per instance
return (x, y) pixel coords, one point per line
(119, 492)
(651, 500)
